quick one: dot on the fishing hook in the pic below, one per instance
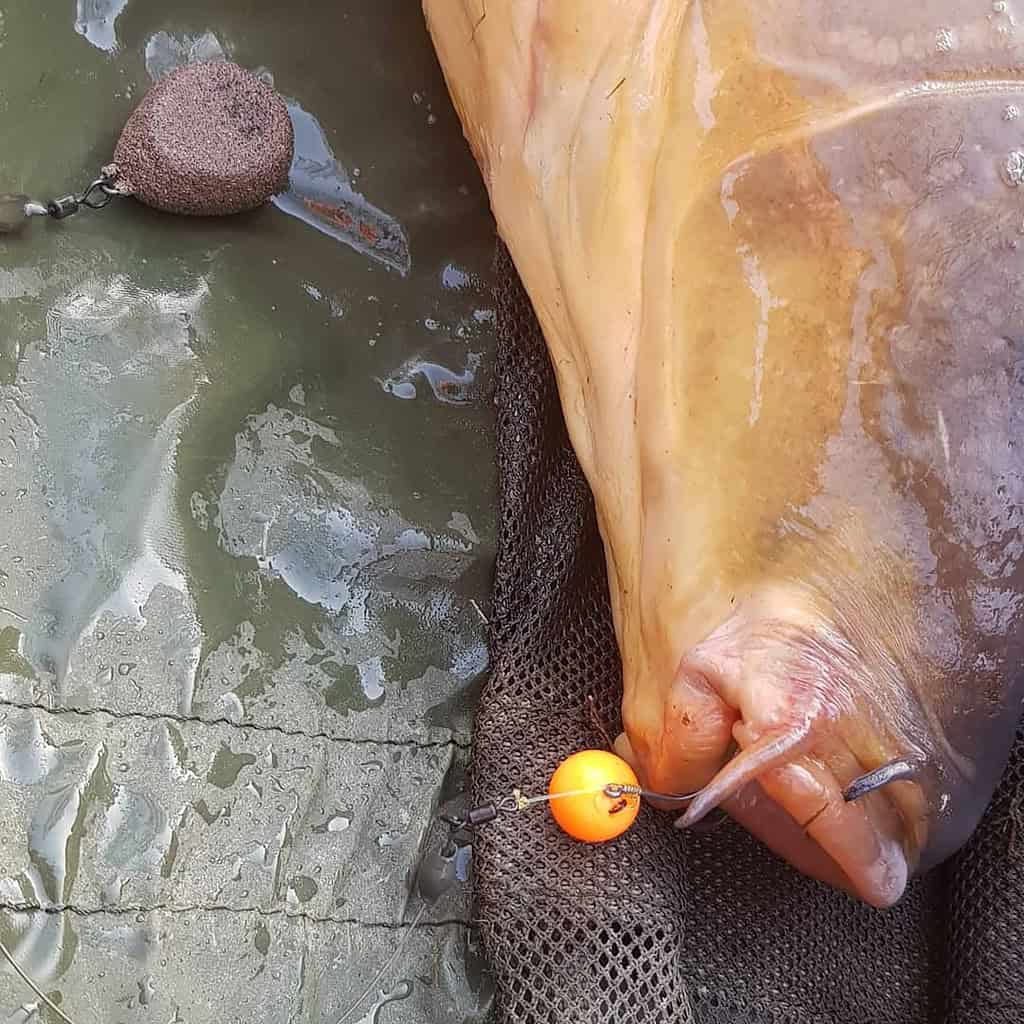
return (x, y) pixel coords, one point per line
(897, 770)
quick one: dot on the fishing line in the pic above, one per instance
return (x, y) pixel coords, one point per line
(388, 964)
(437, 870)
(32, 985)
(612, 790)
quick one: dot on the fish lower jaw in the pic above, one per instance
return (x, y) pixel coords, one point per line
(841, 845)
(779, 683)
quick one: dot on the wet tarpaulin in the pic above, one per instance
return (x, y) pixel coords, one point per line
(246, 522)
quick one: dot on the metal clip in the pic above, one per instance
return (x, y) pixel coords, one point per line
(98, 195)
(105, 188)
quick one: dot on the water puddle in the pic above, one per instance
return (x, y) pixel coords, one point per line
(322, 196)
(247, 499)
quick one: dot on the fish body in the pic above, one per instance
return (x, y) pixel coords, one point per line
(775, 250)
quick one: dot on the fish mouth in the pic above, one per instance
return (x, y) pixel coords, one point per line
(798, 810)
(807, 715)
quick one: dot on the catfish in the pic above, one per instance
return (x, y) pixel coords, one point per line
(775, 249)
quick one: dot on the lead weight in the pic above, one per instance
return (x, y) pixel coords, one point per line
(438, 872)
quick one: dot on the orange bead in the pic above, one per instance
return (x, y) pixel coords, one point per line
(593, 817)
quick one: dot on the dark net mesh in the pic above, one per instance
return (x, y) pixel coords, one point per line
(661, 925)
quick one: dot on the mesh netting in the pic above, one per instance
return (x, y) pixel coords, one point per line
(661, 925)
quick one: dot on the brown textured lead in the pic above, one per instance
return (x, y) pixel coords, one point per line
(209, 139)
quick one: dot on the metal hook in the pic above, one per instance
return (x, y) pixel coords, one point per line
(897, 770)
(614, 790)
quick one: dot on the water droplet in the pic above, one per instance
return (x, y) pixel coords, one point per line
(146, 991)
(1013, 169)
(262, 940)
(454, 277)
(304, 888)
(945, 41)
(388, 839)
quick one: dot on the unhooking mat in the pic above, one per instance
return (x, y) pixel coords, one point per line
(662, 926)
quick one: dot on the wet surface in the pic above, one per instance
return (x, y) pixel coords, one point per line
(246, 495)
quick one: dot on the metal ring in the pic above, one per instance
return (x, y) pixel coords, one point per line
(615, 790)
(103, 184)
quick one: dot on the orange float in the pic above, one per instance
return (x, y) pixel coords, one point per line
(579, 804)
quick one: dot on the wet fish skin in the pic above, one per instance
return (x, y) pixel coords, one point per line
(774, 249)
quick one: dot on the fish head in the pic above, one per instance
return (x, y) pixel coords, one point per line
(813, 679)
